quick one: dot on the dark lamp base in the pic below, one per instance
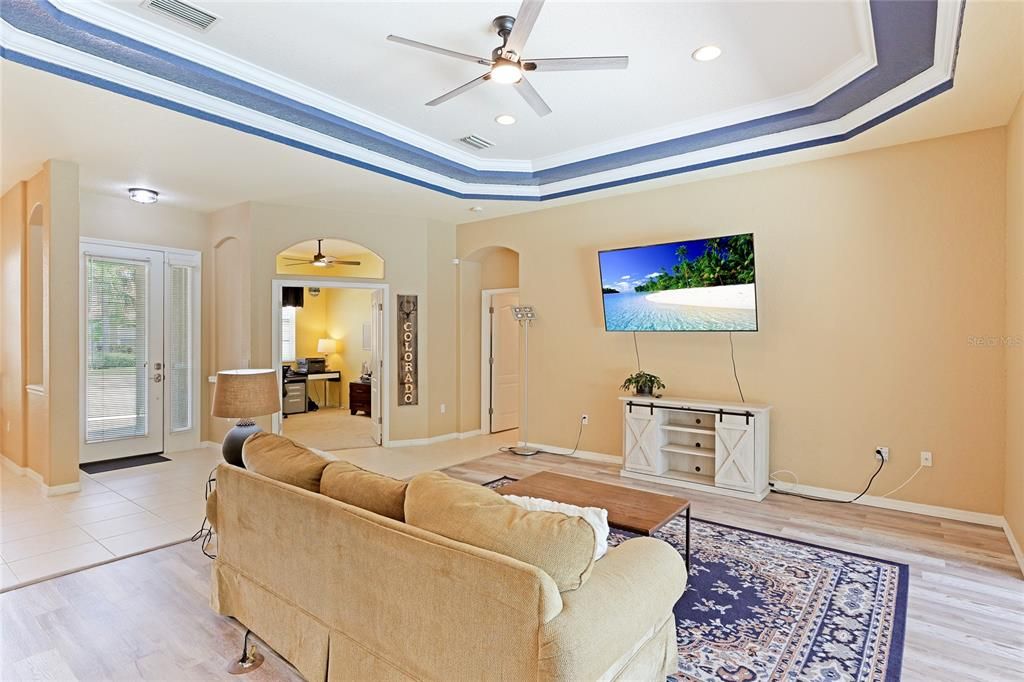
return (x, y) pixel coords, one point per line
(232, 446)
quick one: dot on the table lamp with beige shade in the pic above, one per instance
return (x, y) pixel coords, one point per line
(327, 346)
(244, 394)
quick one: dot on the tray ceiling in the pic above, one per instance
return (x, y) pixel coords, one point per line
(321, 78)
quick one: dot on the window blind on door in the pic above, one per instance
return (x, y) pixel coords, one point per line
(116, 349)
(178, 351)
(288, 334)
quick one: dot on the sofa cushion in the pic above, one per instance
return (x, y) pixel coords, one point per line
(562, 546)
(282, 459)
(365, 489)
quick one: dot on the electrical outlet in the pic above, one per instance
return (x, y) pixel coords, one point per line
(585, 419)
(926, 458)
(882, 453)
(444, 408)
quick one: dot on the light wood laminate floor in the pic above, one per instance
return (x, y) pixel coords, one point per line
(147, 617)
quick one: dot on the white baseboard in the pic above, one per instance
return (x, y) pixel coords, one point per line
(14, 468)
(209, 444)
(412, 442)
(1014, 545)
(897, 505)
(48, 490)
(579, 454)
(471, 434)
(54, 490)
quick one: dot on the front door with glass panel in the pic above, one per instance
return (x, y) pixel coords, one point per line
(137, 350)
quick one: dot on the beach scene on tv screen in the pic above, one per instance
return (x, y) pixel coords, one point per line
(697, 285)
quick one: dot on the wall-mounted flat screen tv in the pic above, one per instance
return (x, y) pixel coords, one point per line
(701, 285)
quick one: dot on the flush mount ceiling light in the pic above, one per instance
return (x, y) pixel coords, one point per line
(142, 195)
(505, 119)
(476, 209)
(707, 53)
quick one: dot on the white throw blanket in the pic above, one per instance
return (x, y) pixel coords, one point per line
(595, 516)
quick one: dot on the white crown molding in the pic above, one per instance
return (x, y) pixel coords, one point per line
(117, 20)
(945, 49)
(862, 62)
(137, 28)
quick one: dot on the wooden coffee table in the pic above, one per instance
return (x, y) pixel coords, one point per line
(637, 511)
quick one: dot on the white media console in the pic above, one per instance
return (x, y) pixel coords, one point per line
(712, 446)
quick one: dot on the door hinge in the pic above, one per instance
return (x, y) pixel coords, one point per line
(491, 360)
(492, 310)
(490, 410)
(380, 307)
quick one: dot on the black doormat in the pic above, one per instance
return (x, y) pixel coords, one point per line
(121, 463)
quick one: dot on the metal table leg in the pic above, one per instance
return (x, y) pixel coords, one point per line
(687, 539)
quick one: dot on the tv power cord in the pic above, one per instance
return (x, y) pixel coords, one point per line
(579, 435)
(881, 463)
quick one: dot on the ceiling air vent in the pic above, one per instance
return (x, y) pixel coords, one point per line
(183, 12)
(476, 142)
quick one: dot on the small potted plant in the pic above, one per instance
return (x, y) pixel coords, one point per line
(642, 383)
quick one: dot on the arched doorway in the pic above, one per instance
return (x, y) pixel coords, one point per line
(330, 344)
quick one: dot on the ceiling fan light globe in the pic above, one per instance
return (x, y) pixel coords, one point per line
(506, 72)
(320, 263)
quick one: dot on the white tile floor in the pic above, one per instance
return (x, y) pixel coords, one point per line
(115, 514)
(124, 512)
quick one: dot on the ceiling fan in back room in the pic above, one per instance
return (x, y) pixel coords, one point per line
(507, 64)
(319, 259)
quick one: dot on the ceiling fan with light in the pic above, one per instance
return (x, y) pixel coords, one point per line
(319, 259)
(508, 66)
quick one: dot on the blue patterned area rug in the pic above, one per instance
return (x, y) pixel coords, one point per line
(760, 608)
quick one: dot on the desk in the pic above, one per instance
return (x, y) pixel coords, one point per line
(325, 377)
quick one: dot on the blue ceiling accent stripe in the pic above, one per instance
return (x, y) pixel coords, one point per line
(904, 41)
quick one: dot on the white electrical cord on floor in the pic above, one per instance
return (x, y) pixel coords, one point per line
(900, 486)
(772, 479)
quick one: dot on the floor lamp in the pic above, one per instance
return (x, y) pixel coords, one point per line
(524, 314)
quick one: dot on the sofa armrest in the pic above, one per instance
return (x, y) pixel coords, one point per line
(629, 595)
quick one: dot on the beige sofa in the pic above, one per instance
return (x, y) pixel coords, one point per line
(346, 594)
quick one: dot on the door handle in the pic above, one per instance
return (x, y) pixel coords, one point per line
(158, 378)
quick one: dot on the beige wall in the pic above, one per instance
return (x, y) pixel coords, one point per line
(873, 272)
(1014, 482)
(411, 248)
(492, 267)
(41, 426)
(13, 219)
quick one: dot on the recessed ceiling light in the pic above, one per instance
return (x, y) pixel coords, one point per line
(142, 195)
(476, 209)
(505, 119)
(707, 53)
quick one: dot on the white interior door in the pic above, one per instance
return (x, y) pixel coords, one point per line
(504, 362)
(122, 352)
(376, 360)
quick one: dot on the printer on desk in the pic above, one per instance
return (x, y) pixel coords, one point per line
(311, 365)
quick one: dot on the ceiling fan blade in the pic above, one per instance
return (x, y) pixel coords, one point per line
(440, 50)
(576, 64)
(532, 97)
(459, 90)
(525, 19)
(292, 265)
(304, 260)
(335, 261)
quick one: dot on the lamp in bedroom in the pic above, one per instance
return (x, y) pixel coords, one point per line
(244, 394)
